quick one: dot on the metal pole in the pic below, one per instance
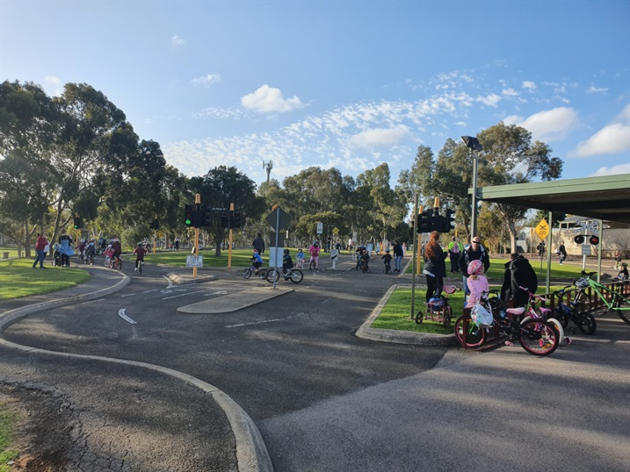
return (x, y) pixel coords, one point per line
(473, 219)
(197, 201)
(584, 244)
(230, 241)
(549, 240)
(599, 249)
(415, 251)
(276, 255)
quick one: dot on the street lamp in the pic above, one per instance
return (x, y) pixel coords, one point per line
(473, 144)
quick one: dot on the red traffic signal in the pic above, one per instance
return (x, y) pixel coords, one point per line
(594, 240)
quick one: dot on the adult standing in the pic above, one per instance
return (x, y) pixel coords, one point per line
(518, 273)
(434, 266)
(398, 256)
(474, 251)
(65, 249)
(562, 252)
(259, 244)
(454, 250)
(541, 249)
(40, 250)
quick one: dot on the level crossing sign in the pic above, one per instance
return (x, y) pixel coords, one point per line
(542, 229)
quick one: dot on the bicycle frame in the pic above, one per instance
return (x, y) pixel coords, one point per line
(597, 286)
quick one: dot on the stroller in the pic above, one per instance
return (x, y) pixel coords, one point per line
(57, 256)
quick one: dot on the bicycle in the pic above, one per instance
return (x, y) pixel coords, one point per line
(312, 265)
(536, 336)
(617, 300)
(293, 274)
(115, 263)
(253, 270)
(573, 311)
(438, 309)
(140, 263)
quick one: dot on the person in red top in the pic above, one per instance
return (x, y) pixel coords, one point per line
(314, 250)
(40, 247)
(140, 251)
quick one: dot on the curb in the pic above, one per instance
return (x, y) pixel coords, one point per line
(179, 280)
(251, 451)
(396, 336)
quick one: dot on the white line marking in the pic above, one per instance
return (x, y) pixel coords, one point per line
(239, 325)
(127, 295)
(149, 291)
(220, 292)
(182, 294)
(124, 316)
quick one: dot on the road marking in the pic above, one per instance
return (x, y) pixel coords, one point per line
(182, 294)
(240, 325)
(149, 291)
(128, 295)
(124, 316)
(220, 292)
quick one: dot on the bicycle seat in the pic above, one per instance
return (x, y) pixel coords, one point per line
(450, 289)
(516, 311)
(544, 310)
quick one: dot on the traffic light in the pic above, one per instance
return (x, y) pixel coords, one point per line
(594, 240)
(188, 215)
(78, 223)
(579, 239)
(423, 221)
(225, 219)
(237, 220)
(449, 221)
(155, 224)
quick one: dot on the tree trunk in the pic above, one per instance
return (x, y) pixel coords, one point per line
(512, 231)
(27, 242)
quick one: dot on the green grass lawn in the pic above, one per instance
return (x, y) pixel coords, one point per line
(497, 270)
(6, 453)
(240, 257)
(13, 252)
(19, 279)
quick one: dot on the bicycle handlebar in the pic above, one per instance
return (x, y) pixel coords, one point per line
(588, 274)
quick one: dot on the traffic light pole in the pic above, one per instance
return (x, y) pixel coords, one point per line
(599, 249)
(230, 239)
(197, 201)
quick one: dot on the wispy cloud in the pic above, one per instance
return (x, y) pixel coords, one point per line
(206, 80)
(547, 125)
(510, 92)
(177, 41)
(379, 136)
(592, 89)
(528, 84)
(221, 113)
(491, 100)
(611, 139)
(268, 99)
(614, 170)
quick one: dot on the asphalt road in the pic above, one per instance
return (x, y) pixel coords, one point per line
(326, 400)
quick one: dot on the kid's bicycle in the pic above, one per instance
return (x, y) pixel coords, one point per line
(438, 309)
(252, 270)
(574, 311)
(612, 297)
(294, 275)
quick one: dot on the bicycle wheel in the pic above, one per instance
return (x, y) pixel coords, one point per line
(562, 315)
(247, 273)
(311, 266)
(296, 276)
(475, 336)
(538, 337)
(272, 275)
(140, 267)
(419, 317)
(587, 324)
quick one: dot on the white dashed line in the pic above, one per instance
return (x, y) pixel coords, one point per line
(240, 325)
(182, 294)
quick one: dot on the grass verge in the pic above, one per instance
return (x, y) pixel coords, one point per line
(6, 453)
(19, 279)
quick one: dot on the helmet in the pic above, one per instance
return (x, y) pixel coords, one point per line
(475, 267)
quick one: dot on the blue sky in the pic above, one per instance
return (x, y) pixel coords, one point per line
(349, 84)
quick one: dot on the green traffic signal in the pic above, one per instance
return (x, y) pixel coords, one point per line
(188, 222)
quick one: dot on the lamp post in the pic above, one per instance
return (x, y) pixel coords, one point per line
(473, 144)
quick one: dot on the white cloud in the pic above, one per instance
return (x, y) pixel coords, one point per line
(549, 125)
(618, 169)
(528, 84)
(513, 120)
(52, 85)
(221, 113)
(593, 89)
(612, 138)
(177, 41)
(270, 100)
(379, 136)
(491, 100)
(206, 80)
(510, 92)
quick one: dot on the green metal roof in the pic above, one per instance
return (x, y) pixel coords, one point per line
(606, 198)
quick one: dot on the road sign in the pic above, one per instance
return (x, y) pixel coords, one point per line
(335, 230)
(542, 230)
(194, 261)
(586, 250)
(282, 222)
(320, 228)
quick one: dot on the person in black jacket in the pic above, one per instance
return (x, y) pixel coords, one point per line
(474, 251)
(518, 273)
(259, 244)
(434, 266)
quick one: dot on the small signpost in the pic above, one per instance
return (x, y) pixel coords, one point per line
(320, 228)
(278, 220)
(542, 230)
(194, 261)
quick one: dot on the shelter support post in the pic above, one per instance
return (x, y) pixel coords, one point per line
(599, 249)
(415, 252)
(549, 241)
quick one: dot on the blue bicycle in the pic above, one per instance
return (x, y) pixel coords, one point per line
(574, 311)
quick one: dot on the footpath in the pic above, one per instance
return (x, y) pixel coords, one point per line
(121, 415)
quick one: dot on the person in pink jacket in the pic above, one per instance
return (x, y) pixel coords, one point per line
(477, 283)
